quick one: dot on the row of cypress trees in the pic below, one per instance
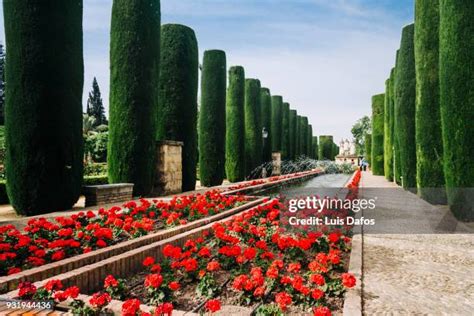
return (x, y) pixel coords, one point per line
(429, 106)
(154, 73)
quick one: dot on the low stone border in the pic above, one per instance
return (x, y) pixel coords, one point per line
(268, 185)
(9, 283)
(353, 296)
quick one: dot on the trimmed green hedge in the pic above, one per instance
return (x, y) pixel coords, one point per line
(457, 103)
(266, 118)
(429, 142)
(43, 130)
(96, 180)
(293, 134)
(325, 147)
(378, 102)
(253, 126)
(134, 77)
(368, 148)
(277, 128)
(387, 133)
(177, 95)
(315, 148)
(285, 136)
(212, 118)
(406, 98)
(235, 125)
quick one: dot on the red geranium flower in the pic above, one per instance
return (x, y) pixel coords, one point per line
(321, 311)
(153, 280)
(99, 300)
(174, 286)
(213, 305)
(283, 299)
(130, 307)
(110, 281)
(148, 261)
(348, 280)
(164, 309)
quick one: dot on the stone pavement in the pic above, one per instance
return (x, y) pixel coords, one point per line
(406, 273)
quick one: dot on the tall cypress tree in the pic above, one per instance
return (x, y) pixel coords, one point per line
(378, 102)
(387, 137)
(45, 76)
(397, 174)
(134, 76)
(293, 134)
(235, 125)
(212, 120)
(253, 129)
(297, 137)
(177, 95)
(406, 98)
(368, 148)
(266, 118)
(315, 154)
(277, 112)
(95, 107)
(2, 85)
(304, 136)
(325, 147)
(285, 136)
(429, 142)
(457, 103)
(310, 142)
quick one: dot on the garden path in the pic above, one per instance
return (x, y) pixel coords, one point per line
(424, 265)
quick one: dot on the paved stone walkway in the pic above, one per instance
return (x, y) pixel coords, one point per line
(415, 274)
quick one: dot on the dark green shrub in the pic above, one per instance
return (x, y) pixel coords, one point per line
(405, 96)
(387, 133)
(277, 128)
(212, 118)
(325, 147)
(266, 118)
(134, 77)
(235, 125)
(429, 142)
(293, 133)
(285, 136)
(378, 102)
(44, 104)
(95, 169)
(177, 95)
(368, 148)
(253, 127)
(457, 103)
(335, 151)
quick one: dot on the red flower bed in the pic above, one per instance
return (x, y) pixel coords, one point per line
(44, 241)
(251, 260)
(268, 180)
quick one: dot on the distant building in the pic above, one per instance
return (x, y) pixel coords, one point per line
(347, 153)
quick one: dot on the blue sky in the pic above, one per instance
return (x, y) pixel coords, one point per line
(325, 57)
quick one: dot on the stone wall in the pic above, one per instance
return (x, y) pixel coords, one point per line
(107, 193)
(169, 175)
